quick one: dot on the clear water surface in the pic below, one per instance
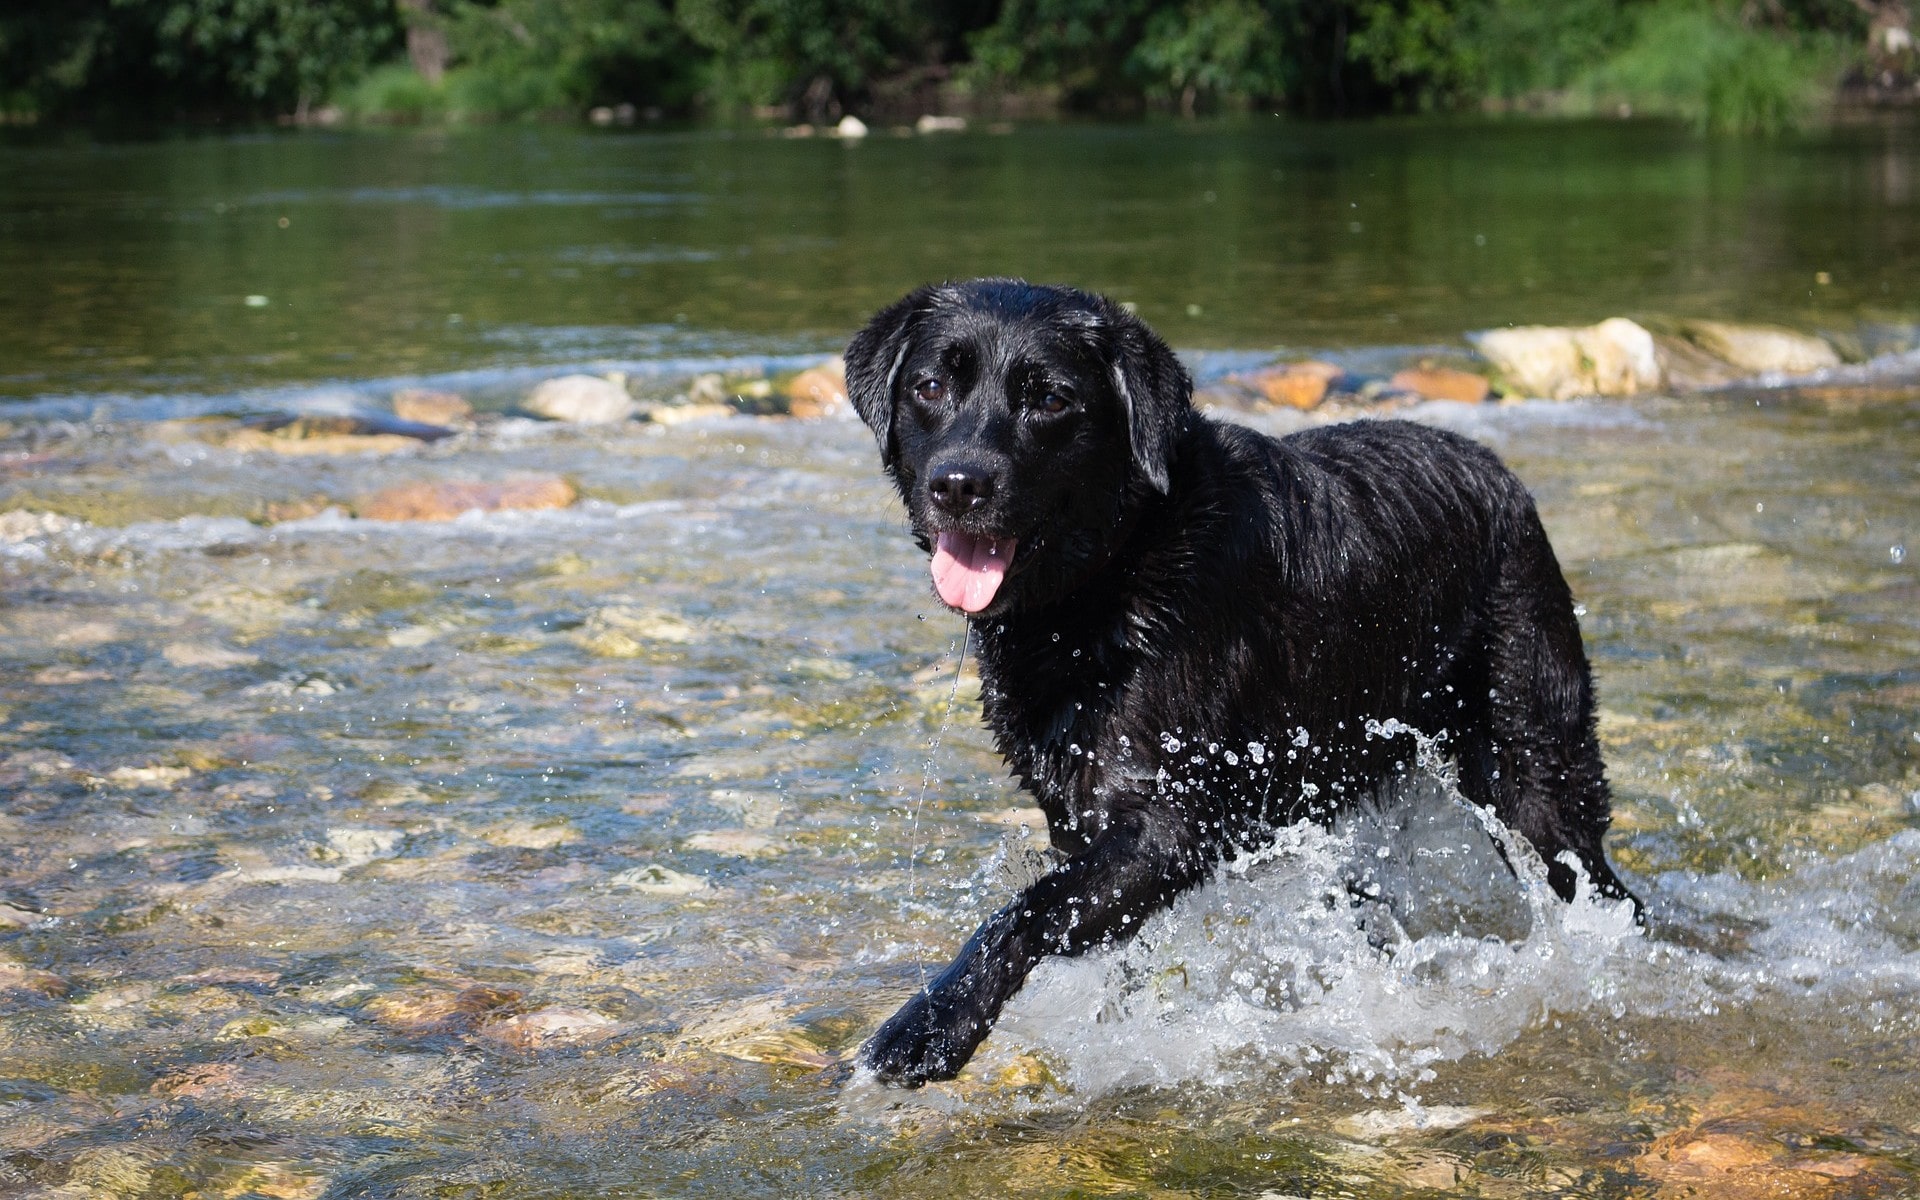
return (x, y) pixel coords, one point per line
(570, 853)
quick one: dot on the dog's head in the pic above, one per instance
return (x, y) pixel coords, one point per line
(1021, 424)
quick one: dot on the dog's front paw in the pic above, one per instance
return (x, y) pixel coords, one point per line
(930, 1038)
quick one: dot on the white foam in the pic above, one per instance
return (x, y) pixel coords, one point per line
(1271, 970)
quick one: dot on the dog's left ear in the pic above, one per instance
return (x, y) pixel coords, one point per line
(1156, 389)
(874, 357)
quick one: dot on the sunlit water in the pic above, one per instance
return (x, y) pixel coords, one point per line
(572, 853)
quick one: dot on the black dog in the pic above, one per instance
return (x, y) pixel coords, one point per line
(1185, 627)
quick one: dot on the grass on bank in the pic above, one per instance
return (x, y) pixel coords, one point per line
(1700, 65)
(397, 94)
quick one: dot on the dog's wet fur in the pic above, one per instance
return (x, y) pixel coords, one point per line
(1197, 622)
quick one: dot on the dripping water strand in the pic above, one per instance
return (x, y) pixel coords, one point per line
(926, 781)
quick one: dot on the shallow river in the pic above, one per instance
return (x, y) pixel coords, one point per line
(570, 853)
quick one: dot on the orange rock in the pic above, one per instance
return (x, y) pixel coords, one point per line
(818, 391)
(445, 501)
(1443, 383)
(1299, 385)
(429, 407)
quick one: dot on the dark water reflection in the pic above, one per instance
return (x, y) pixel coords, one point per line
(129, 267)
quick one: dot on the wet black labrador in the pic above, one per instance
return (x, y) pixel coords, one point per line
(1185, 627)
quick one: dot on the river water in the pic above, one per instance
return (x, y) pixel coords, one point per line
(570, 853)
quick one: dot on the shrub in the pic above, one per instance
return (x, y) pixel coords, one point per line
(1697, 62)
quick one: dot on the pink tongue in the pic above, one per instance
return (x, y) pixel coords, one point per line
(967, 569)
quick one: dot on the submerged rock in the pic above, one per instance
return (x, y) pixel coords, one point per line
(737, 843)
(447, 500)
(201, 1080)
(580, 400)
(20, 978)
(551, 1028)
(426, 1011)
(314, 435)
(1614, 358)
(630, 631)
(206, 654)
(1762, 349)
(655, 880)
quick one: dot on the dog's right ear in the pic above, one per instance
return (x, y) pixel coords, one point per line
(874, 358)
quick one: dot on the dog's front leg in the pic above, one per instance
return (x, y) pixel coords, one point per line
(1130, 871)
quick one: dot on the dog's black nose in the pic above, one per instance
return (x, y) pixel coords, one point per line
(960, 489)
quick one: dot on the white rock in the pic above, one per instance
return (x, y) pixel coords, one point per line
(1763, 348)
(929, 123)
(1614, 358)
(851, 126)
(580, 400)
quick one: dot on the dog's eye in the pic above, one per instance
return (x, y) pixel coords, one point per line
(1052, 403)
(930, 391)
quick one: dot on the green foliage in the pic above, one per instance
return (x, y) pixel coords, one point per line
(155, 57)
(519, 57)
(1694, 61)
(1078, 47)
(271, 53)
(1757, 66)
(1219, 49)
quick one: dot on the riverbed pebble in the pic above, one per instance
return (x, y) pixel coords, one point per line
(580, 400)
(445, 500)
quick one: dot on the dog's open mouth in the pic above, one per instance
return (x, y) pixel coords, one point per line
(968, 568)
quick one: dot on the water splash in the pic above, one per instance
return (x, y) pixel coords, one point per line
(1359, 955)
